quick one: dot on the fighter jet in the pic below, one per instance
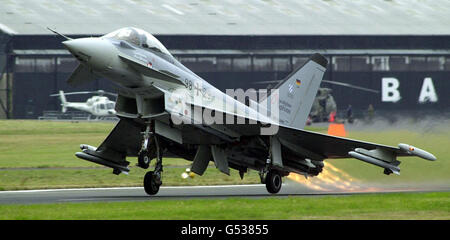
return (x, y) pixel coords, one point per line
(166, 108)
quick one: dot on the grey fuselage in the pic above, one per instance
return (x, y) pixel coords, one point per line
(102, 55)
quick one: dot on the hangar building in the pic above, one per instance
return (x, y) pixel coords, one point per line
(400, 48)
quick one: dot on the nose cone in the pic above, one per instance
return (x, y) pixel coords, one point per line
(95, 52)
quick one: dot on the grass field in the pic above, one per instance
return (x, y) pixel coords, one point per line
(368, 206)
(44, 144)
(40, 154)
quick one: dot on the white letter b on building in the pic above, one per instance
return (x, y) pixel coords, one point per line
(389, 90)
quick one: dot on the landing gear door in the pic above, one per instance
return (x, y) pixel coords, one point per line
(275, 148)
(220, 159)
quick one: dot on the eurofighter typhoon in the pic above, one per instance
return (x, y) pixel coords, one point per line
(166, 108)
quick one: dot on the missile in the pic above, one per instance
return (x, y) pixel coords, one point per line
(417, 152)
(85, 146)
(103, 162)
(307, 162)
(375, 162)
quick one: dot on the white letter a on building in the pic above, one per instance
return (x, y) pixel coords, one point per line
(428, 94)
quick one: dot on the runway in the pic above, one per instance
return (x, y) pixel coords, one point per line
(184, 192)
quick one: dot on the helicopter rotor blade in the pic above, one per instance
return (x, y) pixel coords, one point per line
(71, 93)
(99, 92)
(268, 82)
(330, 82)
(110, 94)
(351, 86)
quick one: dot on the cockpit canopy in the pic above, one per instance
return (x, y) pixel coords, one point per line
(139, 38)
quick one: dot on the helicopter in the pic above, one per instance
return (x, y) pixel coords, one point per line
(324, 103)
(99, 106)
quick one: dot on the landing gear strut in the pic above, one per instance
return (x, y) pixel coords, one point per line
(152, 179)
(144, 157)
(271, 177)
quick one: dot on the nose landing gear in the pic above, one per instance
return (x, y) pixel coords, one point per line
(152, 179)
(152, 182)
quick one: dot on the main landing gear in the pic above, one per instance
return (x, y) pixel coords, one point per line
(272, 178)
(152, 179)
(273, 181)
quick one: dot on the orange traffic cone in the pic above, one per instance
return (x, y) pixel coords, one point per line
(336, 129)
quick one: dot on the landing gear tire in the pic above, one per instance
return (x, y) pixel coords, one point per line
(151, 183)
(143, 160)
(273, 182)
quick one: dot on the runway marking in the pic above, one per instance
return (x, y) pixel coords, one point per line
(68, 189)
(95, 200)
(126, 188)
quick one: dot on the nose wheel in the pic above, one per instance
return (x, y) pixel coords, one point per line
(152, 179)
(152, 182)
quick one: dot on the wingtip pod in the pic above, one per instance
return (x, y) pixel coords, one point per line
(389, 168)
(88, 157)
(416, 152)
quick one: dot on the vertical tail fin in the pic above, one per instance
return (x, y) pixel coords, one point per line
(63, 101)
(298, 90)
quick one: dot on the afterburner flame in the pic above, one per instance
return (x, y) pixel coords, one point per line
(331, 178)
